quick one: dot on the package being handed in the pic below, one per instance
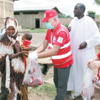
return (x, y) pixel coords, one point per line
(33, 76)
(88, 86)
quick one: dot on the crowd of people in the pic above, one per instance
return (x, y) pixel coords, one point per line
(71, 50)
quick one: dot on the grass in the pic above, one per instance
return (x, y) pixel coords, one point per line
(48, 90)
(37, 30)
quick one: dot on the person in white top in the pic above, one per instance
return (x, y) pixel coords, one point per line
(84, 36)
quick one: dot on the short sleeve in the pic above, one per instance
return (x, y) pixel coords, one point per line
(47, 35)
(61, 38)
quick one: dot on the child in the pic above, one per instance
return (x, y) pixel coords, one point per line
(25, 44)
(95, 63)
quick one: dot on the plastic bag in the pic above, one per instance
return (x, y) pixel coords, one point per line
(97, 78)
(33, 76)
(88, 86)
(97, 81)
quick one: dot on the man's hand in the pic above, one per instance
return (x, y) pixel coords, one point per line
(69, 29)
(32, 56)
(83, 45)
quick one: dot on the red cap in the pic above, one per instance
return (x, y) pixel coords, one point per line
(49, 14)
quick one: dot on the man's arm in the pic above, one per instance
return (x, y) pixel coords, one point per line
(60, 41)
(50, 52)
(34, 55)
(42, 47)
(95, 36)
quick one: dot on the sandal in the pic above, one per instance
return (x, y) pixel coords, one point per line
(75, 96)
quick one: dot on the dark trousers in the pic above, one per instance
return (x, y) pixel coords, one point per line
(61, 76)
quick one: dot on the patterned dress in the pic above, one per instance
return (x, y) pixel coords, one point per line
(13, 70)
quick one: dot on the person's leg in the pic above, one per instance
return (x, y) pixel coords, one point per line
(63, 75)
(56, 77)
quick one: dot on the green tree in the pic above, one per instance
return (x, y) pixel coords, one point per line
(91, 12)
(97, 2)
(62, 15)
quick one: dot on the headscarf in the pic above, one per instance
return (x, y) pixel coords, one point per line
(12, 22)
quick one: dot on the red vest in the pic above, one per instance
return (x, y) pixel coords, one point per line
(64, 55)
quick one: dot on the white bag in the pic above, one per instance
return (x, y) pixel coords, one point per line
(97, 78)
(88, 86)
(33, 76)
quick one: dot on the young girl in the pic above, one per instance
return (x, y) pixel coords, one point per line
(12, 64)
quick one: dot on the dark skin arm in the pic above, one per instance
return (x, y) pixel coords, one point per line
(83, 45)
(18, 54)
